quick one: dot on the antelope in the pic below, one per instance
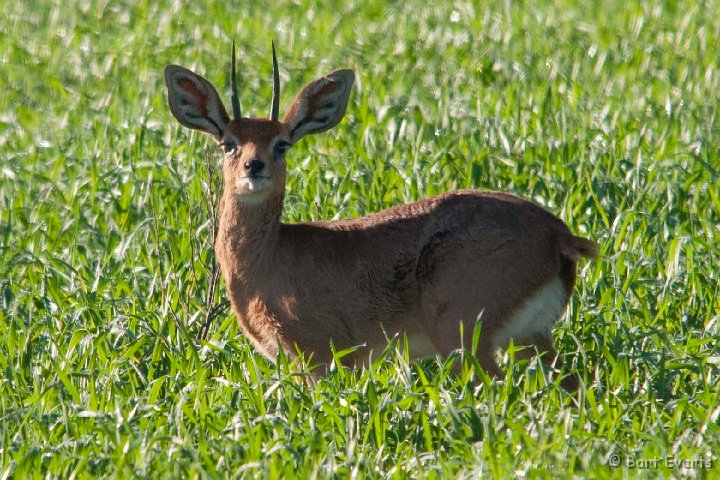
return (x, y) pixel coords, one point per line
(422, 269)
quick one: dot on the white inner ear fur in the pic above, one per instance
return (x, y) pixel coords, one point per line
(321, 104)
(201, 112)
(317, 112)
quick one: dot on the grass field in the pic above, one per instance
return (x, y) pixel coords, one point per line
(606, 114)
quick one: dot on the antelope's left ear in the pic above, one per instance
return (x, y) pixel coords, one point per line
(320, 105)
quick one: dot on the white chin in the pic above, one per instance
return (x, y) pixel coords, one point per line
(250, 189)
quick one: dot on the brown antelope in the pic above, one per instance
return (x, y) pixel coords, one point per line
(420, 269)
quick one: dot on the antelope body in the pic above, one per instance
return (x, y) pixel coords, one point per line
(419, 269)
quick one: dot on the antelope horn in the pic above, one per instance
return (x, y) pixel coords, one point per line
(275, 106)
(233, 82)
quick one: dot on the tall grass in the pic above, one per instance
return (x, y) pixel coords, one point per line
(606, 114)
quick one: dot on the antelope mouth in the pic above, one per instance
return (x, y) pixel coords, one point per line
(252, 183)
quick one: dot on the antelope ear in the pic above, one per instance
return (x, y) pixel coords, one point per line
(194, 102)
(320, 105)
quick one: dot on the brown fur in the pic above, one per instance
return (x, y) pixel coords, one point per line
(418, 269)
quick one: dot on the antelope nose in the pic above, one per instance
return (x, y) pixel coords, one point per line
(254, 166)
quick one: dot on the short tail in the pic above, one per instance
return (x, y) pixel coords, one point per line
(577, 247)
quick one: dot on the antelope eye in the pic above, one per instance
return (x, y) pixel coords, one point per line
(280, 148)
(229, 146)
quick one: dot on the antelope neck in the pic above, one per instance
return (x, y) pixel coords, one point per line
(249, 233)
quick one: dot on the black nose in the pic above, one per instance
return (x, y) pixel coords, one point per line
(254, 167)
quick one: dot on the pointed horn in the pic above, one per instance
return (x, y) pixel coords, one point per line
(275, 106)
(233, 82)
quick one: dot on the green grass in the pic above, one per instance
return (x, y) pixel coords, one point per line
(606, 115)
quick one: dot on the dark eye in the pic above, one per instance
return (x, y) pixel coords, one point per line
(280, 148)
(228, 145)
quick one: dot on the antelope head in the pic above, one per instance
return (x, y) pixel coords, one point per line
(254, 168)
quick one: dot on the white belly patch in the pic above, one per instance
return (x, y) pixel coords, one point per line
(420, 346)
(536, 316)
